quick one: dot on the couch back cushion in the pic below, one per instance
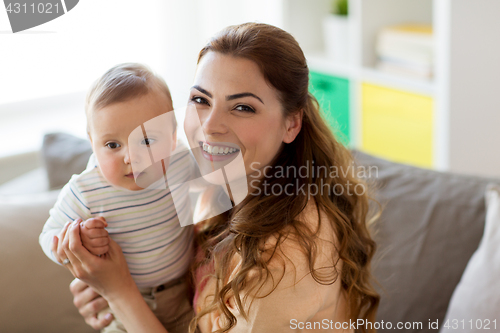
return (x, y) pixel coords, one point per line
(431, 225)
(64, 155)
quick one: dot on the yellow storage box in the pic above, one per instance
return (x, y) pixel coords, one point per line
(397, 125)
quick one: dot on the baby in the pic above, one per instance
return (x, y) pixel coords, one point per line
(125, 195)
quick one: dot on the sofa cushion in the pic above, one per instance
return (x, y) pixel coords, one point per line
(430, 227)
(64, 155)
(476, 300)
(35, 291)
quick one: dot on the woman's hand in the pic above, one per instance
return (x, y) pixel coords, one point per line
(89, 304)
(108, 275)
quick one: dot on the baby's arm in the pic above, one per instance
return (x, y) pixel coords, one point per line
(70, 206)
(94, 237)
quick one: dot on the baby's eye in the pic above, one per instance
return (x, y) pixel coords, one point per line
(112, 145)
(148, 141)
(244, 108)
(199, 100)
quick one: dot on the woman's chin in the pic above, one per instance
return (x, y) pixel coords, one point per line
(218, 171)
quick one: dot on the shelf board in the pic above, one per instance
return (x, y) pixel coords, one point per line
(321, 63)
(421, 86)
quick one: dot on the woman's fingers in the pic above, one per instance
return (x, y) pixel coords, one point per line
(99, 323)
(53, 248)
(60, 255)
(99, 250)
(74, 248)
(93, 307)
(114, 248)
(77, 286)
(89, 304)
(75, 265)
(83, 297)
(60, 237)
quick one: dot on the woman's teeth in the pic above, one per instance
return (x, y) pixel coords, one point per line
(217, 150)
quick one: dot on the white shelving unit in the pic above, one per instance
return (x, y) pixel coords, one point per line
(465, 117)
(466, 121)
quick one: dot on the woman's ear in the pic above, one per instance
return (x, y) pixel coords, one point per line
(293, 124)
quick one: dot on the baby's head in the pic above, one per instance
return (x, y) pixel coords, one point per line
(124, 127)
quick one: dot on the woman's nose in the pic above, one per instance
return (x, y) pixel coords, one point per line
(213, 121)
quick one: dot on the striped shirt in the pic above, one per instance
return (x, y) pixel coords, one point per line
(146, 223)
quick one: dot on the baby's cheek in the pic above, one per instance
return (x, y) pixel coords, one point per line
(111, 172)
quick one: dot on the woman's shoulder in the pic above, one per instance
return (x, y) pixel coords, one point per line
(313, 216)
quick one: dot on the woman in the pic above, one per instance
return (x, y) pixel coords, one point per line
(297, 248)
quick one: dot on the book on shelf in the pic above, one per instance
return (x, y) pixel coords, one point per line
(406, 50)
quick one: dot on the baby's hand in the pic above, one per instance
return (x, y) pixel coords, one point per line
(94, 237)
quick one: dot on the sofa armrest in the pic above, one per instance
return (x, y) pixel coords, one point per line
(16, 165)
(34, 181)
(35, 291)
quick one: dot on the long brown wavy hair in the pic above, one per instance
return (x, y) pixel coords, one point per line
(259, 217)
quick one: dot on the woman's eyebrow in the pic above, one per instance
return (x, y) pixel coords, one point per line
(245, 94)
(202, 90)
(230, 97)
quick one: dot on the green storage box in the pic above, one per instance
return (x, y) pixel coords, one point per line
(332, 94)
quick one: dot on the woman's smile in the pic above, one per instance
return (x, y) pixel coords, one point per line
(218, 151)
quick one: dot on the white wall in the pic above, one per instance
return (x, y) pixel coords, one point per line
(474, 87)
(62, 58)
(70, 52)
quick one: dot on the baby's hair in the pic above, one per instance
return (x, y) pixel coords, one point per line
(121, 83)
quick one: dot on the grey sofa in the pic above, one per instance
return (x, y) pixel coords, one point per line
(431, 225)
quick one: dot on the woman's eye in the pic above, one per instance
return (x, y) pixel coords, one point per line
(148, 141)
(199, 100)
(112, 145)
(244, 108)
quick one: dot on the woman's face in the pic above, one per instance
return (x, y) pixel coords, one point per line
(239, 112)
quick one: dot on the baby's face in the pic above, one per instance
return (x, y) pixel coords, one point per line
(116, 132)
